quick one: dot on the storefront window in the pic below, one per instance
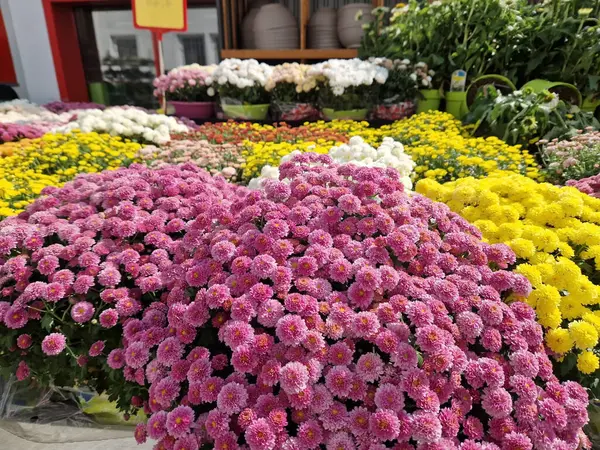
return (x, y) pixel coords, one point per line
(121, 64)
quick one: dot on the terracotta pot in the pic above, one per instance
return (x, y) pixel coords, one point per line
(248, 29)
(322, 29)
(275, 27)
(349, 29)
(194, 110)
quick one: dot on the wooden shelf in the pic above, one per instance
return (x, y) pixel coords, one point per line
(339, 53)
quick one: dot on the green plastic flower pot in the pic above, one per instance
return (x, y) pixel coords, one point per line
(502, 84)
(567, 92)
(591, 105)
(429, 101)
(247, 112)
(352, 114)
(456, 104)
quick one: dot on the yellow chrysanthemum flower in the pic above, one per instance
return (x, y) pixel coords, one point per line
(588, 362)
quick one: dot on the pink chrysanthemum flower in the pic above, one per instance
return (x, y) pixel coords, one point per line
(384, 425)
(389, 397)
(108, 318)
(293, 377)
(310, 434)
(23, 372)
(426, 427)
(232, 398)
(497, 402)
(137, 354)
(97, 348)
(24, 341)
(259, 435)
(339, 381)
(291, 329)
(169, 351)
(369, 367)
(54, 344)
(179, 421)
(82, 312)
(116, 359)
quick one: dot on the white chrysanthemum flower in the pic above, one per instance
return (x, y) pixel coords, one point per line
(130, 122)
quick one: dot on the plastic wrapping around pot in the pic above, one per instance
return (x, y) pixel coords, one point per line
(194, 110)
(456, 104)
(294, 111)
(567, 92)
(236, 110)
(395, 111)
(352, 114)
(592, 429)
(60, 415)
(429, 101)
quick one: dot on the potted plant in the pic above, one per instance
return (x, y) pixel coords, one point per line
(293, 92)
(566, 91)
(347, 88)
(499, 82)
(188, 90)
(241, 86)
(524, 117)
(397, 97)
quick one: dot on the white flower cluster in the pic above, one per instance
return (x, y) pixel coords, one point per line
(22, 111)
(127, 122)
(390, 153)
(341, 74)
(242, 73)
(195, 66)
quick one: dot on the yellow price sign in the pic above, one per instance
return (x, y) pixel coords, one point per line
(160, 14)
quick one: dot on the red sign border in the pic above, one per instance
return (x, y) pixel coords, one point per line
(161, 30)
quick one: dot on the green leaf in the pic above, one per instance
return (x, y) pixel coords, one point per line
(568, 364)
(47, 322)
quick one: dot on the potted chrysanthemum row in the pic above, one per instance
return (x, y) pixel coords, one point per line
(188, 91)
(334, 89)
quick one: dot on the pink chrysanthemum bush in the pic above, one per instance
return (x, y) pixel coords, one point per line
(86, 263)
(336, 312)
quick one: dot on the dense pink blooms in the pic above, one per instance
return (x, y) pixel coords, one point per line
(262, 321)
(589, 185)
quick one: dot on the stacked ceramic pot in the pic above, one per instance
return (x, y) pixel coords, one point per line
(322, 29)
(275, 27)
(247, 27)
(350, 19)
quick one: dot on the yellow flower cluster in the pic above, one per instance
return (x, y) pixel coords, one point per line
(444, 151)
(53, 159)
(555, 233)
(438, 143)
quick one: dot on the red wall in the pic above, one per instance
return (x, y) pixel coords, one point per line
(7, 68)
